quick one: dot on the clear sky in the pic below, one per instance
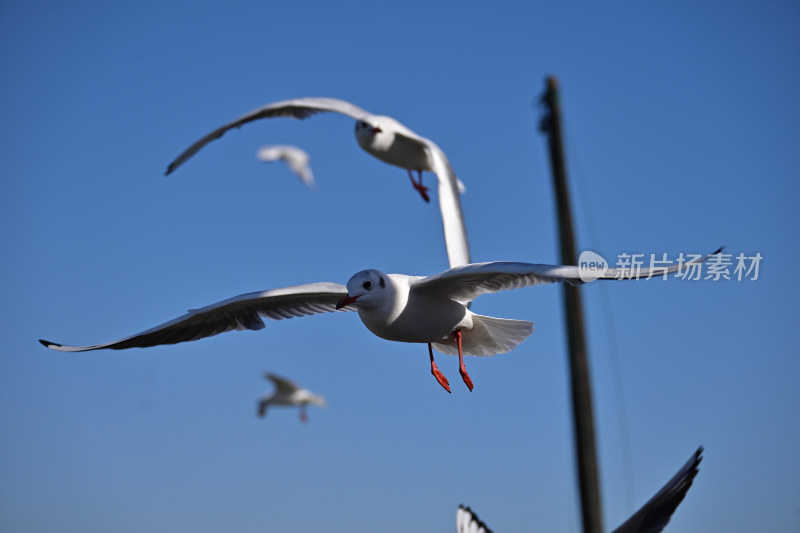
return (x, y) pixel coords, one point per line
(682, 135)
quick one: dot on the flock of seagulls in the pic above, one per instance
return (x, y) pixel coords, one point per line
(432, 310)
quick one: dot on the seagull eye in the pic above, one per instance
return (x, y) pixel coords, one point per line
(368, 285)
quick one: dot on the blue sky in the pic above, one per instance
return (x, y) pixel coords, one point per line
(682, 136)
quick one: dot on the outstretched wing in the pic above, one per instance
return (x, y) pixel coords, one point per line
(465, 283)
(455, 232)
(240, 312)
(656, 513)
(299, 108)
(282, 385)
(468, 522)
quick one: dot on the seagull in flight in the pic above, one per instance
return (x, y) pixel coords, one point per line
(380, 136)
(288, 393)
(296, 158)
(430, 310)
(652, 517)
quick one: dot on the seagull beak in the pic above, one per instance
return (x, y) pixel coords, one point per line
(344, 302)
(376, 129)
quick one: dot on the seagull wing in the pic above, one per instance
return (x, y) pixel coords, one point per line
(299, 108)
(455, 232)
(282, 385)
(468, 522)
(240, 312)
(656, 513)
(465, 283)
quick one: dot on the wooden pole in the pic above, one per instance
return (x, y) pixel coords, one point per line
(583, 418)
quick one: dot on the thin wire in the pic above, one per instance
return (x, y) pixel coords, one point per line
(611, 331)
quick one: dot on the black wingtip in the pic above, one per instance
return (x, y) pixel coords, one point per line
(719, 251)
(48, 344)
(169, 170)
(474, 516)
(698, 455)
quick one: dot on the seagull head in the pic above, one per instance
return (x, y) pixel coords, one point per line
(372, 136)
(366, 289)
(364, 128)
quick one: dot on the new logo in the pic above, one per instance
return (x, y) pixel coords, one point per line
(591, 266)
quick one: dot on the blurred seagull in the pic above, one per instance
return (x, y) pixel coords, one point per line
(288, 393)
(651, 518)
(468, 522)
(297, 159)
(383, 137)
(430, 310)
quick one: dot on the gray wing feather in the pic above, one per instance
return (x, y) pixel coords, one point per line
(299, 108)
(283, 385)
(465, 283)
(240, 312)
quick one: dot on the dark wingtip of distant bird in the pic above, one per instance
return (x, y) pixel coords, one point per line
(719, 251)
(654, 515)
(698, 457)
(48, 343)
(474, 517)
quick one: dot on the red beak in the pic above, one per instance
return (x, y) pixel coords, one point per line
(377, 130)
(347, 300)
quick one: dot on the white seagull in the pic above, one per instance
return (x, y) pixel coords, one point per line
(288, 393)
(652, 517)
(383, 137)
(430, 310)
(296, 158)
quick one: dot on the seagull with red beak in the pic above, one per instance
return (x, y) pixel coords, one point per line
(384, 138)
(428, 310)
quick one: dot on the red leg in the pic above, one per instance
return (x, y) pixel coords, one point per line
(436, 373)
(461, 368)
(303, 416)
(423, 191)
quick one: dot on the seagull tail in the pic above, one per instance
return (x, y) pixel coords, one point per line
(489, 336)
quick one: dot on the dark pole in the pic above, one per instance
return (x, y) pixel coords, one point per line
(583, 417)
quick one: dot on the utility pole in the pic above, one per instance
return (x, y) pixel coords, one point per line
(583, 417)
